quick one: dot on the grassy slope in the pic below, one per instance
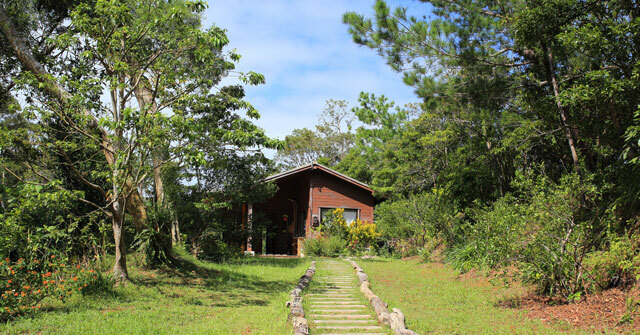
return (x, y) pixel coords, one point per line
(196, 298)
(435, 301)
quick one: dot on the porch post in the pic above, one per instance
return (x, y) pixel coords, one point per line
(249, 227)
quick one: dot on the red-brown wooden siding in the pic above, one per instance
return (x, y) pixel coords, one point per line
(331, 192)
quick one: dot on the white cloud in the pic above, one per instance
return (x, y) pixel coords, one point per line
(306, 55)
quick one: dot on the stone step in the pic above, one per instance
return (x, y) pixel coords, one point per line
(336, 306)
(350, 327)
(343, 321)
(337, 310)
(343, 316)
(332, 302)
(352, 334)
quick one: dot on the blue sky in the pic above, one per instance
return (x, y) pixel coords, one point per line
(307, 56)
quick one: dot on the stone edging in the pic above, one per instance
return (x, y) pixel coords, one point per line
(394, 319)
(296, 313)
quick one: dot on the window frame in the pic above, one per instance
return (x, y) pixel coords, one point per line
(334, 208)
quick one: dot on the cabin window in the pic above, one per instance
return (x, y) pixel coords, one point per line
(350, 214)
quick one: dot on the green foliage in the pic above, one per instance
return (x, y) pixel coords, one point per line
(152, 239)
(369, 159)
(327, 144)
(509, 88)
(547, 231)
(332, 246)
(619, 265)
(26, 283)
(212, 247)
(411, 223)
(494, 237)
(39, 220)
(357, 236)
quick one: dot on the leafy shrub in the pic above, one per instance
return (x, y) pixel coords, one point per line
(38, 220)
(563, 222)
(26, 284)
(213, 248)
(546, 231)
(154, 240)
(358, 235)
(493, 238)
(410, 222)
(617, 266)
(322, 246)
(362, 235)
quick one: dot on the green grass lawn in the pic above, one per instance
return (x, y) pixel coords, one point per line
(244, 297)
(435, 301)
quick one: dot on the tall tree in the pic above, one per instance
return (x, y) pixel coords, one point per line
(520, 82)
(328, 144)
(123, 85)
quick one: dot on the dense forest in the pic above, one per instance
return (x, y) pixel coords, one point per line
(521, 148)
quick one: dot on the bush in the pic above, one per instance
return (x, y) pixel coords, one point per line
(213, 248)
(563, 223)
(322, 246)
(617, 266)
(358, 236)
(493, 238)
(26, 284)
(411, 222)
(546, 231)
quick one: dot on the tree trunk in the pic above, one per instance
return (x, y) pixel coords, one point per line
(146, 100)
(120, 271)
(157, 178)
(175, 231)
(552, 79)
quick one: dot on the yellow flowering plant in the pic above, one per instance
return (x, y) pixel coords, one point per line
(358, 234)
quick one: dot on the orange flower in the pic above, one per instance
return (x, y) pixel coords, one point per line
(9, 281)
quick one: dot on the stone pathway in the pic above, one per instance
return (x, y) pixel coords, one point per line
(334, 304)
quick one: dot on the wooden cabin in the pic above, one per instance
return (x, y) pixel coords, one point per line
(305, 196)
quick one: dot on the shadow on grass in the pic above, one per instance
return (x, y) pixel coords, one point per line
(188, 282)
(219, 287)
(373, 260)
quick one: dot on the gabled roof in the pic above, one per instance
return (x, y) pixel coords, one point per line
(316, 166)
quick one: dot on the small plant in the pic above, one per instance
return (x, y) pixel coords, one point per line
(361, 235)
(337, 236)
(631, 309)
(575, 297)
(323, 246)
(26, 284)
(617, 266)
